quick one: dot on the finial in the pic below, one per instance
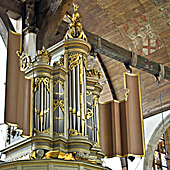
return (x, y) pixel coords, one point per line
(43, 56)
(75, 7)
(75, 28)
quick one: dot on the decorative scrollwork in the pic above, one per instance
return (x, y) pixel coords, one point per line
(60, 103)
(57, 81)
(25, 61)
(89, 113)
(55, 133)
(60, 62)
(45, 131)
(95, 101)
(93, 73)
(88, 93)
(45, 80)
(73, 132)
(75, 59)
(60, 155)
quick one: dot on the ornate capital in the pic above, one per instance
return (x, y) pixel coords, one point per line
(93, 73)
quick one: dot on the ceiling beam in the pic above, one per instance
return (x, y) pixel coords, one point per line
(115, 52)
(51, 22)
(11, 5)
(3, 33)
(44, 5)
(5, 25)
(6, 19)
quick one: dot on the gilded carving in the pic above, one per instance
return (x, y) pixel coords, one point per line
(75, 59)
(73, 132)
(57, 81)
(45, 80)
(89, 113)
(37, 154)
(25, 61)
(33, 155)
(60, 103)
(88, 93)
(95, 101)
(93, 73)
(60, 155)
(55, 133)
(43, 56)
(75, 28)
(60, 62)
(45, 131)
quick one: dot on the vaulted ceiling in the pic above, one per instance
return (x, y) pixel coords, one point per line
(115, 29)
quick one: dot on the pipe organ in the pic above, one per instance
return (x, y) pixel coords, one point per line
(64, 118)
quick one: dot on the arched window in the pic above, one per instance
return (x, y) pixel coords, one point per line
(159, 158)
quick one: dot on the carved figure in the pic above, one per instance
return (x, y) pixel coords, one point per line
(30, 13)
(40, 153)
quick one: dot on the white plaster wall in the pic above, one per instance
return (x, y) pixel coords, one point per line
(150, 125)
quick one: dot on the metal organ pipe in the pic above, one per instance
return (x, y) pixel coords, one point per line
(74, 97)
(47, 110)
(70, 101)
(82, 110)
(78, 97)
(38, 108)
(85, 101)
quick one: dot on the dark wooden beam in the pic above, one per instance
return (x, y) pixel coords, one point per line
(6, 19)
(3, 33)
(14, 7)
(44, 5)
(115, 52)
(5, 25)
(51, 22)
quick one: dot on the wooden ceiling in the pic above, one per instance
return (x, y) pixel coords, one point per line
(109, 19)
(141, 26)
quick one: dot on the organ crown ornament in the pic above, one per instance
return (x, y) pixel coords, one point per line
(75, 28)
(43, 56)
